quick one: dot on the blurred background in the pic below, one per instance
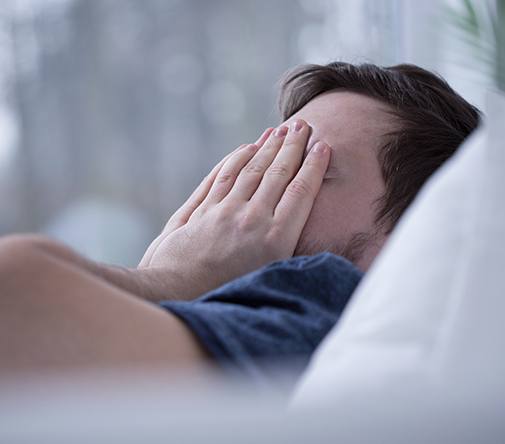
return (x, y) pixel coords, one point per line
(111, 111)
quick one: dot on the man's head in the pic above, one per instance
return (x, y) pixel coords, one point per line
(389, 129)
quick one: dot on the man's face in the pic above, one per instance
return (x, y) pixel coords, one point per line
(344, 212)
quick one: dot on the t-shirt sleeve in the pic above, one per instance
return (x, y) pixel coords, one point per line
(277, 314)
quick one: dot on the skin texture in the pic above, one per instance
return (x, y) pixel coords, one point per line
(354, 126)
(246, 218)
(59, 310)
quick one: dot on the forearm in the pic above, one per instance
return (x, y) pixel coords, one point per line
(56, 315)
(149, 284)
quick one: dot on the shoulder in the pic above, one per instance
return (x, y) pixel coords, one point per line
(326, 261)
(323, 267)
(323, 277)
(279, 312)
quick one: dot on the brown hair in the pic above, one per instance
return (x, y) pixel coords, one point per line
(433, 120)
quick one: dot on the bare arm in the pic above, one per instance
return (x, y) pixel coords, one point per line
(249, 211)
(139, 282)
(147, 282)
(59, 310)
(56, 315)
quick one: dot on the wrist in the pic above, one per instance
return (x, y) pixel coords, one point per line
(150, 283)
(135, 281)
(168, 282)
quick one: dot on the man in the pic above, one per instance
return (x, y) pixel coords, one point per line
(370, 137)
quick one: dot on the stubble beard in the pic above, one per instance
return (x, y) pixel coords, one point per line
(352, 249)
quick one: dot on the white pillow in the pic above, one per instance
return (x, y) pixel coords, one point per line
(431, 311)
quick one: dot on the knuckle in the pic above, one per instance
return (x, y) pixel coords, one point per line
(254, 168)
(272, 145)
(300, 188)
(247, 221)
(224, 178)
(224, 209)
(199, 212)
(279, 169)
(291, 142)
(272, 242)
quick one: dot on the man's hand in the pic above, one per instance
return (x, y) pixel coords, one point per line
(249, 211)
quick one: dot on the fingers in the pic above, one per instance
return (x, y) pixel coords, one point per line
(296, 203)
(284, 166)
(264, 137)
(250, 177)
(182, 215)
(199, 195)
(227, 176)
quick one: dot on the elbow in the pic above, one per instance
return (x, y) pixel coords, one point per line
(20, 255)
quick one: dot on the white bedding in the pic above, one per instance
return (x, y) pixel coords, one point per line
(431, 312)
(417, 358)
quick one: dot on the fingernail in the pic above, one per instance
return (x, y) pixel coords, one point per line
(281, 131)
(265, 135)
(319, 148)
(297, 126)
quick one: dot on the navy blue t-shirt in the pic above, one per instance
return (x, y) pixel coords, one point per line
(279, 313)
